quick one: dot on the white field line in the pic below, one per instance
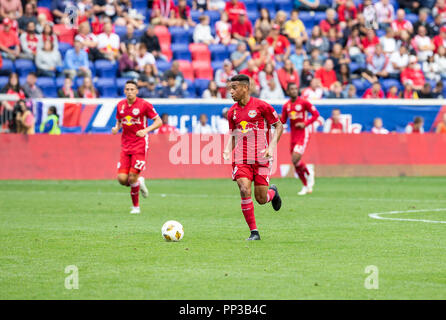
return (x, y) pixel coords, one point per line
(223, 196)
(378, 215)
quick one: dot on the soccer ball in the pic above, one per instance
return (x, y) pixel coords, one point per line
(172, 231)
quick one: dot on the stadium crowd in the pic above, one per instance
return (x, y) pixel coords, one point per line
(189, 48)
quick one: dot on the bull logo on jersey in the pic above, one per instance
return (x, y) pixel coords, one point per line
(135, 112)
(298, 107)
(245, 126)
(129, 121)
(252, 113)
(293, 115)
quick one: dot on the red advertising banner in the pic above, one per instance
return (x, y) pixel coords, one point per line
(193, 156)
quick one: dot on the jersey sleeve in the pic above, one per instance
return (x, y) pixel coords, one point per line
(269, 113)
(311, 109)
(231, 120)
(150, 111)
(118, 116)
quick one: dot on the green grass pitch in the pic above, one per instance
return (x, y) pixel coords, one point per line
(315, 247)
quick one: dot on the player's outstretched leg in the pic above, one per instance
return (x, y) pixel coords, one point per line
(134, 192)
(143, 187)
(265, 194)
(247, 206)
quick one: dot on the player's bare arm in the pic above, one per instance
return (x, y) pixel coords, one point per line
(276, 137)
(117, 127)
(229, 147)
(157, 122)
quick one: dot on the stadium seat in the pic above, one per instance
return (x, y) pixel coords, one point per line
(105, 68)
(361, 85)
(251, 5)
(214, 16)
(180, 51)
(231, 48)
(318, 17)
(78, 82)
(307, 19)
(199, 51)
(268, 4)
(412, 17)
(70, 129)
(64, 33)
(48, 86)
(163, 34)
(63, 48)
(60, 81)
(3, 81)
(217, 65)
(139, 4)
(195, 15)
(24, 66)
(8, 66)
(46, 12)
(44, 3)
(387, 83)
(219, 52)
(166, 51)
(120, 30)
(202, 70)
(186, 68)
(162, 65)
(107, 87)
(285, 5)
(253, 16)
(179, 35)
(120, 84)
(200, 86)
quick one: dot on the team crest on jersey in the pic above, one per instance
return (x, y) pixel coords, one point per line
(298, 107)
(252, 113)
(293, 115)
(135, 112)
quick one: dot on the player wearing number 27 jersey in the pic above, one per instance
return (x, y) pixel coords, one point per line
(132, 115)
(297, 110)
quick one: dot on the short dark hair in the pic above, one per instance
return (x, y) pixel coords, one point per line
(241, 78)
(131, 82)
(418, 119)
(290, 84)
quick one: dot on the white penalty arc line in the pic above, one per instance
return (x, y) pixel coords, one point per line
(378, 215)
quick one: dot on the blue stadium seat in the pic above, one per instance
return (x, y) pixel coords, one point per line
(361, 85)
(120, 30)
(268, 4)
(8, 66)
(139, 4)
(353, 66)
(24, 66)
(201, 85)
(107, 87)
(120, 83)
(318, 17)
(251, 5)
(387, 83)
(307, 19)
(63, 48)
(163, 65)
(48, 86)
(179, 35)
(60, 81)
(216, 65)
(195, 15)
(181, 51)
(190, 92)
(44, 3)
(3, 81)
(285, 5)
(138, 33)
(105, 68)
(253, 16)
(412, 17)
(70, 129)
(213, 15)
(232, 48)
(219, 52)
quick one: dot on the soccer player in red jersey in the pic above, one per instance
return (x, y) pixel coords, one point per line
(131, 115)
(250, 121)
(296, 109)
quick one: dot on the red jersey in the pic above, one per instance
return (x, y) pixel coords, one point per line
(133, 119)
(233, 10)
(281, 45)
(297, 112)
(251, 125)
(336, 127)
(244, 30)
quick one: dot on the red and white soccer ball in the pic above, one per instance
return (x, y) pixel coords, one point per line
(172, 231)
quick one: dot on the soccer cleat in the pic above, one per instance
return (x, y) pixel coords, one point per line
(254, 236)
(310, 178)
(143, 187)
(304, 191)
(277, 201)
(135, 210)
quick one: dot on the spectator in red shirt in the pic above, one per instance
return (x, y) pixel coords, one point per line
(440, 40)
(392, 93)
(9, 44)
(329, 22)
(400, 23)
(369, 42)
(416, 126)
(182, 15)
(287, 75)
(347, 12)
(233, 8)
(413, 72)
(242, 28)
(253, 72)
(326, 74)
(166, 128)
(280, 44)
(163, 12)
(375, 92)
(29, 42)
(334, 124)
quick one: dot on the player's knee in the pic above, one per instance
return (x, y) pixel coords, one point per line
(245, 192)
(123, 179)
(261, 199)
